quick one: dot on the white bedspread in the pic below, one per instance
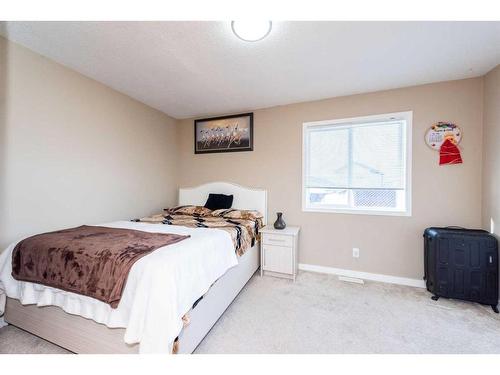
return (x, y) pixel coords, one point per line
(161, 287)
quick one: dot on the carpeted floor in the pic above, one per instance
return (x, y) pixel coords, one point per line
(320, 314)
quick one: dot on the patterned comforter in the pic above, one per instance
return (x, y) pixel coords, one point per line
(243, 226)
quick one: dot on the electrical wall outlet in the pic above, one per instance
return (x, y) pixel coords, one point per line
(355, 252)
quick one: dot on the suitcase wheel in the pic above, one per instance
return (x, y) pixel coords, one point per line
(494, 308)
(435, 298)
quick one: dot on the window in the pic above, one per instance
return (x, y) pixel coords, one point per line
(358, 165)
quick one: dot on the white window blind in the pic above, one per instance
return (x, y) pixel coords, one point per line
(357, 164)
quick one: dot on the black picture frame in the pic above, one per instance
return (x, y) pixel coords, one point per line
(219, 125)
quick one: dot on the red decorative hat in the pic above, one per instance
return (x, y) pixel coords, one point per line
(449, 153)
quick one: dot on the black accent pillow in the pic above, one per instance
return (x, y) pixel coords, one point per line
(218, 201)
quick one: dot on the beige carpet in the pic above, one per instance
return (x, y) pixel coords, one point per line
(320, 314)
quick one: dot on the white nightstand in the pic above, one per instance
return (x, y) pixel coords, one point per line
(279, 252)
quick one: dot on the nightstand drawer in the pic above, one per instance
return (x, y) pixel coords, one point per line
(277, 240)
(278, 259)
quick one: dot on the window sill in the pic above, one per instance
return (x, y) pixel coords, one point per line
(357, 212)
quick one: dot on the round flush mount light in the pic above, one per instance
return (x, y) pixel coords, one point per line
(251, 31)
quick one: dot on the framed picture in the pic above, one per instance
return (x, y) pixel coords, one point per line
(224, 134)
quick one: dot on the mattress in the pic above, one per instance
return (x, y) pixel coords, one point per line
(160, 288)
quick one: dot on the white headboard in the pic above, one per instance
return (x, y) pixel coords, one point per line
(243, 198)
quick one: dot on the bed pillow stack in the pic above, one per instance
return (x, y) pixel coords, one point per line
(238, 214)
(189, 210)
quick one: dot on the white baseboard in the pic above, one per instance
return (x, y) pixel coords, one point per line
(363, 275)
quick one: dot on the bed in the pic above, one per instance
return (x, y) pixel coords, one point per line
(81, 335)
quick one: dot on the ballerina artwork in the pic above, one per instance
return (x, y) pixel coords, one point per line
(223, 134)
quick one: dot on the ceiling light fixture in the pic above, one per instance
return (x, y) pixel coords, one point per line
(251, 31)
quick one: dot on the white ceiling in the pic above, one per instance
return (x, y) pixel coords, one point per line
(192, 69)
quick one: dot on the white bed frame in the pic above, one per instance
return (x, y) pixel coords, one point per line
(81, 335)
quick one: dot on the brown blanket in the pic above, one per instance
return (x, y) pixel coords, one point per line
(89, 260)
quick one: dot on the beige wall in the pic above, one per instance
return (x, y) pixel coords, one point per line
(446, 195)
(491, 151)
(73, 151)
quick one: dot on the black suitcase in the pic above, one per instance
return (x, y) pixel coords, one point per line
(462, 264)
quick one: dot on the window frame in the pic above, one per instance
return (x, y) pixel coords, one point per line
(407, 116)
